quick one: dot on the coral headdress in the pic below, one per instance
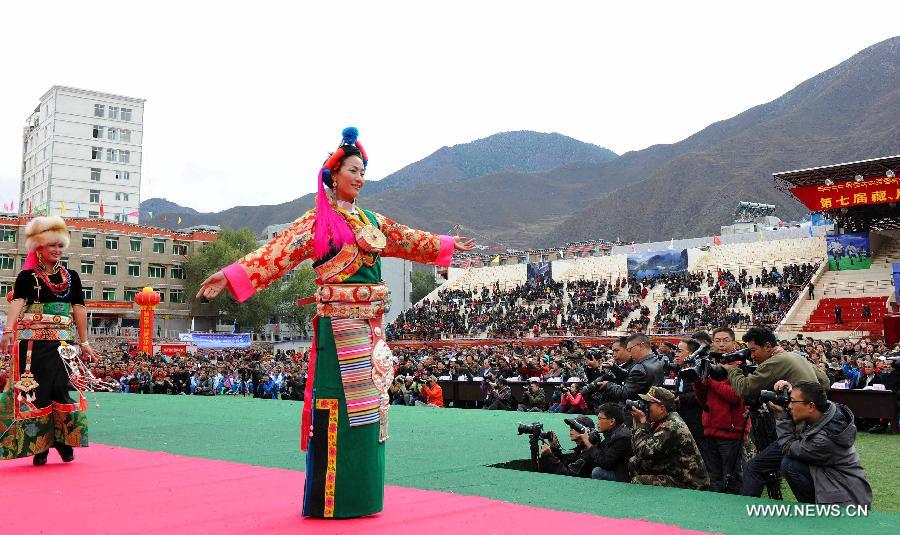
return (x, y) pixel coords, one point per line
(330, 226)
(41, 231)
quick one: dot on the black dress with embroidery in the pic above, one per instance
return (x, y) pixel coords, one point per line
(32, 422)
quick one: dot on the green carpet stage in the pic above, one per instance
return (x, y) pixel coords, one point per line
(452, 450)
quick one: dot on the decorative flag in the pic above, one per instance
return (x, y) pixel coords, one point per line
(179, 220)
(62, 208)
(150, 214)
(633, 247)
(672, 244)
(165, 219)
(78, 209)
(716, 240)
(47, 208)
(30, 207)
(809, 229)
(496, 261)
(133, 214)
(101, 207)
(760, 235)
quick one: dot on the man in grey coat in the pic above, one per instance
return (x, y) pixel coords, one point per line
(820, 463)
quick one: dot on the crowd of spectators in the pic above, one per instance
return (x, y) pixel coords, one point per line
(690, 301)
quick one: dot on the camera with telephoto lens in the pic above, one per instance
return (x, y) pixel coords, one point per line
(699, 363)
(638, 404)
(740, 358)
(593, 434)
(782, 397)
(607, 376)
(535, 429)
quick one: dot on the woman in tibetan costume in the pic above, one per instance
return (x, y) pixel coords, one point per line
(344, 423)
(36, 412)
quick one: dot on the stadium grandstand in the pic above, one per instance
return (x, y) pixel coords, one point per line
(757, 275)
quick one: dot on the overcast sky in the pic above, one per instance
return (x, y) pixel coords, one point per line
(244, 102)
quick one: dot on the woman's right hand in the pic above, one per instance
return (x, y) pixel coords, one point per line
(212, 286)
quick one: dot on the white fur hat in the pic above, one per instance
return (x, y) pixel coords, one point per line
(45, 229)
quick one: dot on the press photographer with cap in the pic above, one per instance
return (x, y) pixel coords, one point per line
(665, 453)
(820, 462)
(578, 463)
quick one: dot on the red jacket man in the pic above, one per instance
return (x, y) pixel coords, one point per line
(724, 429)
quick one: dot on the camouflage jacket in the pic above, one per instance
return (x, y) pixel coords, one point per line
(666, 448)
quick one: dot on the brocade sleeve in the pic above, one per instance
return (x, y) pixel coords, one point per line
(257, 270)
(415, 245)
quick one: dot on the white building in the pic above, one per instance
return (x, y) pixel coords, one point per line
(80, 150)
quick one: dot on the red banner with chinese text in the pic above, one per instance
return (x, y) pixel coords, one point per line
(145, 334)
(173, 349)
(846, 194)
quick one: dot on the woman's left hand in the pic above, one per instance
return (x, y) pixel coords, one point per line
(461, 243)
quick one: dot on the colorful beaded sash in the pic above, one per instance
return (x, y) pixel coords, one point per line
(45, 321)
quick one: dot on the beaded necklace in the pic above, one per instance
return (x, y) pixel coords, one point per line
(59, 289)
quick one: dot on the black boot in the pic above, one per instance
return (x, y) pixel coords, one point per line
(66, 453)
(40, 459)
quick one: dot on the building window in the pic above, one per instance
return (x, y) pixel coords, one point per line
(124, 196)
(112, 243)
(135, 244)
(130, 293)
(118, 196)
(124, 156)
(162, 296)
(94, 195)
(98, 132)
(111, 155)
(134, 269)
(87, 240)
(8, 235)
(64, 261)
(5, 287)
(96, 153)
(110, 268)
(179, 249)
(95, 174)
(177, 272)
(87, 267)
(7, 262)
(159, 246)
(126, 114)
(113, 112)
(93, 214)
(109, 294)
(99, 110)
(88, 293)
(155, 271)
(112, 134)
(125, 135)
(122, 175)
(176, 296)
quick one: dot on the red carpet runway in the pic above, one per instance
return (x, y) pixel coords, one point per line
(119, 490)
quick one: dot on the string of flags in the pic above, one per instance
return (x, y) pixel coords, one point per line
(12, 207)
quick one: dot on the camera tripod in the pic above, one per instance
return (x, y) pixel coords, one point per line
(762, 433)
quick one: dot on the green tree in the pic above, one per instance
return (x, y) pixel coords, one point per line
(231, 245)
(422, 284)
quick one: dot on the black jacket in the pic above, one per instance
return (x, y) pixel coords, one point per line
(577, 463)
(689, 408)
(613, 453)
(645, 373)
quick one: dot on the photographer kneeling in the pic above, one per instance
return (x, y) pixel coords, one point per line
(577, 463)
(610, 457)
(665, 453)
(820, 462)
